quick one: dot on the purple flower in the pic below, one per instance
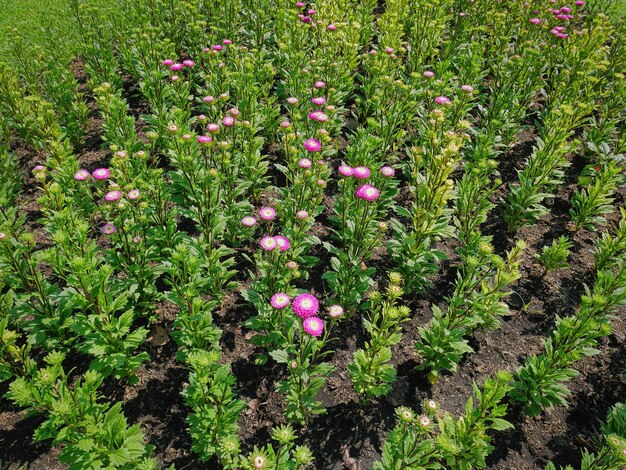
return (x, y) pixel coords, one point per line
(108, 229)
(361, 172)
(302, 214)
(335, 311)
(429, 74)
(319, 84)
(168, 62)
(267, 213)
(331, 27)
(319, 101)
(389, 50)
(38, 168)
(176, 67)
(292, 100)
(312, 145)
(536, 21)
(387, 171)
(268, 243)
(229, 121)
(280, 300)
(442, 100)
(305, 305)
(367, 192)
(113, 196)
(204, 139)
(313, 326)
(579, 3)
(346, 170)
(101, 173)
(81, 175)
(134, 194)
(227, 42)
(283, 242)
(208, 99)
(188, 63)
(249, 221)
(305, 163)
(217, 47)
(212, 127)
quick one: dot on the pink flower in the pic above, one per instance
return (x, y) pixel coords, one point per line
(204, 139)
(300, 4)
(136, 239)
(283, 242)
(168, 62)
(208, 99)
(389, 50)
(305, 163)
(367, 192)
(425, 421)
(442, 100)
(387, 171)
(228, 121)
(312, 145)
(429, 74)
(81, 175)
(285, 124)
(335, 311)
(536, 21)
(101, 173)
(267, 213)
(280, 300)
(133, 194)
(175, 78)
(112, 196)
(302, 214)
(217, 47)
(346, 170)
(108, 229)
(176, 67)
(292, 100)
(331, 27)
(311, 12)
(268, 243)
(306, 19)
(320, 84)
(212, 127)
(249, 221)
(579, 3)
(38, 168)
(361, 172)
(313, 326)
(188, 63)
(305, 305)
(227, 42)
(319, 101)
(467, 88)
(318, 116)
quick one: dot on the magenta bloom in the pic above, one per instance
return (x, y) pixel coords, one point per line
(319, 101)
(313, 326)
(361, 172)
(311, 12)
(81, 175)
(429, 74)
(227, 42)
(302, 214)
(268, 243)
(38, 168)
(346, 170)
(389, 50)
(101, 173)
(306, 19)
(300, 4)
(312, 145)
(387, 171)
(133, 194)
(212, 127)
(305, 163)
(217, 47)
(467, 88)
(204, 139)
(168, 62)
(331, 27)
(188, 63)
(283, 242)
(318, 116)
(536, 21)
(208, 99)
(305, 305)
(285, 124)
(113, 196)
(267, 213)
(176, 67)
(367, 192)
(579, 3)
(335, 311)
(280, 300)
(320, 84)
(248, 221)
(229, 121)
(108, 229)
(292, 100)
(442, 100)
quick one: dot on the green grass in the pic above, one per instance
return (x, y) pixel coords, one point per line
(48, 24)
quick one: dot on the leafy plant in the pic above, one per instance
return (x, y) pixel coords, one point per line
(555, 256)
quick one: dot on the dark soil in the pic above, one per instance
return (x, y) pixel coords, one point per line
(350, 430)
